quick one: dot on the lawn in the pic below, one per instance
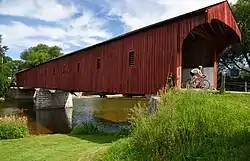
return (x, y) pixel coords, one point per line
(54, 147)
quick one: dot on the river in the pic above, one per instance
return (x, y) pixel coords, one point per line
(110, 113)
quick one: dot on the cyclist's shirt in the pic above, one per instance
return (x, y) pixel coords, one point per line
(196, 71)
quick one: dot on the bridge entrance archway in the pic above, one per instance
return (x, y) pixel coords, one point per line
(203, 46)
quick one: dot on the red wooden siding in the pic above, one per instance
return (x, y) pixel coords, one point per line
(223, 13)
(157, 49)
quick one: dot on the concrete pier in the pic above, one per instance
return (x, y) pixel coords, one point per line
(46, 99)
(152, 104)
(20, 93)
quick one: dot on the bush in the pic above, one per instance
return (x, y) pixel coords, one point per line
(86, 129)
(189, 126)
(13, 127)
(124, 131)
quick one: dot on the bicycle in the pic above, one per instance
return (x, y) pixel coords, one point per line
(201, 82)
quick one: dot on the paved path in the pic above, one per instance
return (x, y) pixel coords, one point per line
(209, 90)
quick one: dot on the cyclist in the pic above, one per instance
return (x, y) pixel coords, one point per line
(195, 73)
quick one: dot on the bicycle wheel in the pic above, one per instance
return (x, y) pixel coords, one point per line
(187, 84)
(206, 84)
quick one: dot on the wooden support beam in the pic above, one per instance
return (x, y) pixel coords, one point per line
(222, 31)
(215, 68)
(203, 31)
(202, 35)
(192, 35)
(211, 27)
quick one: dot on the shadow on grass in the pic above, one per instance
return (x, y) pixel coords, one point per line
(235, 147)
(98, 138)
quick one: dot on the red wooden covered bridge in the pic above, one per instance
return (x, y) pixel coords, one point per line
(139, 62)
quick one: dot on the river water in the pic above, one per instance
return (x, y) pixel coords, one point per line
(109, 113)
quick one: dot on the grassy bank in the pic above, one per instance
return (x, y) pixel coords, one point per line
(188, 126)
(54, 147)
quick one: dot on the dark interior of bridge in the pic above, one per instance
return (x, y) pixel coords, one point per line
(201, 44)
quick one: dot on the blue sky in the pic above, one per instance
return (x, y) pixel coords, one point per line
(75, 24)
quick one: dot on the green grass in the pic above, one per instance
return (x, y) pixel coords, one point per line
(86, 129)
(188, 126)
(54, 147)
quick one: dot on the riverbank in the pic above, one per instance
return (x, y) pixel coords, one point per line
(188, 125)
(56, 147)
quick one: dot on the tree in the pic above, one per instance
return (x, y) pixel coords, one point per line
(8, 68)
(238, 55)
(14, 66)
(40, 54)
(3, 50)
(4, 72)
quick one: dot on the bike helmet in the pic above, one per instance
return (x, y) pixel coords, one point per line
(200, 67)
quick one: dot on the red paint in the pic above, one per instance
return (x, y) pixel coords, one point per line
(224, 13)
(158, 52)
(215, 70)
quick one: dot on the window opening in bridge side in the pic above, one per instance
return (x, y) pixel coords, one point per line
(131, 58)
(64, 69)
(78, 67)
(98, 63)
(54, 71)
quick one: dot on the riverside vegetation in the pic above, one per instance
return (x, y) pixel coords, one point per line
(13, 127)
(188, 125)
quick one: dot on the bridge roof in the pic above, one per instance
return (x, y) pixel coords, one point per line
(171, 20)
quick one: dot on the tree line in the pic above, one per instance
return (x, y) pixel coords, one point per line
(29, 58)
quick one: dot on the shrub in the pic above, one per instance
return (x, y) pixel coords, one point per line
(86, 129)
(13, 127)
(189, 126)
(124, 131)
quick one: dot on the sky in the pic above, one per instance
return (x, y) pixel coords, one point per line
(76, 24)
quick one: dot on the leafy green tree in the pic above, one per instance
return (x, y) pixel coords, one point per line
(40, 54)
(241, 10)
(4, 70)
(14, 66)
(8, 68)
(3, 50)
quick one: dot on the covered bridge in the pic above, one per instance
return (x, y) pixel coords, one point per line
(139, 62)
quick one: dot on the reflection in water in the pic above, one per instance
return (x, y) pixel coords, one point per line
(50, 121)
(115, 109)
(109, 113)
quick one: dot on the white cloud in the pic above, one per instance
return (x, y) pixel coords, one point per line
(49, 10)
(87, 25)
(135, 14)
(85, 30)
(18, 34)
